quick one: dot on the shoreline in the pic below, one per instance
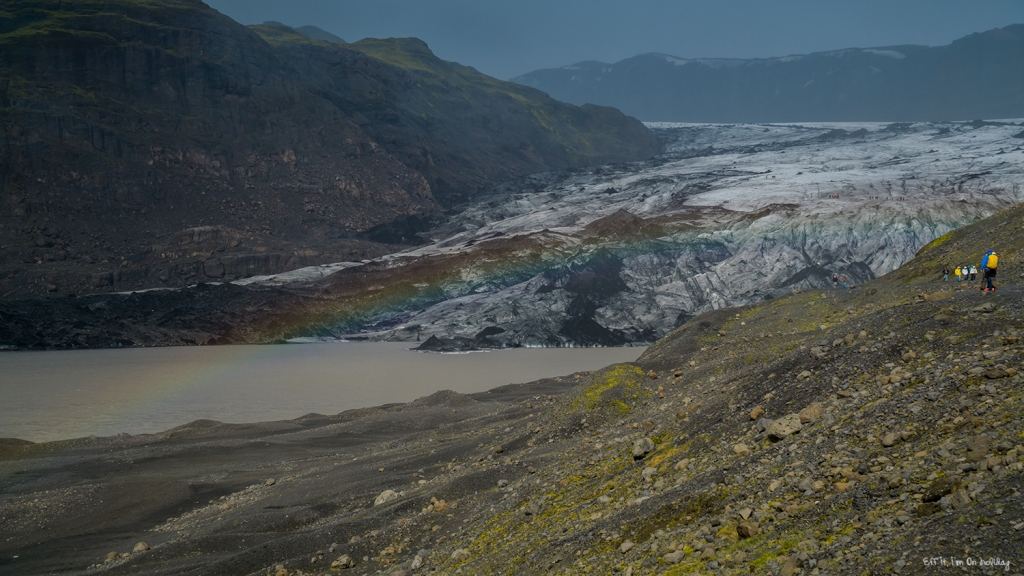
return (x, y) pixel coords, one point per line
(65, 395)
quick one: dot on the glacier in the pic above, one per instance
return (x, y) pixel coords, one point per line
(728, 215)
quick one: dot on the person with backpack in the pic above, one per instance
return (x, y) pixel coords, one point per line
(945, 273)
(974, 272)
(835, 281)
(845, 281)
(989, 265)
(958, 275)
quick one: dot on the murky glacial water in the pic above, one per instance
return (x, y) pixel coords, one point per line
(69, 394)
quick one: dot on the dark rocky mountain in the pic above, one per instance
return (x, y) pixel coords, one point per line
(978, 76)
(161, 143)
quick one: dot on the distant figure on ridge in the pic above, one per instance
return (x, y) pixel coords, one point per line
(945, 273)
(989, 264)
(835, 280)
(845, 281)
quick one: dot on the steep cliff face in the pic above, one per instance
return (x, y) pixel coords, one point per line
(127, 122)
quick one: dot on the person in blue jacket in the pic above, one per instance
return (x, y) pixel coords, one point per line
(989, 265)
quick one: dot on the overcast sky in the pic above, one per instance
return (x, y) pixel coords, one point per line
(505, 38)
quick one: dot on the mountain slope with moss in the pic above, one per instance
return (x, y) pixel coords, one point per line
(126, 124)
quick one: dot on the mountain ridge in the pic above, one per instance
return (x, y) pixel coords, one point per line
(977, 76)
(127, 124)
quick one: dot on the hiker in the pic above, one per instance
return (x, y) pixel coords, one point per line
(835, 281)
(974, 272)
(957, 272)
(845, 281)
(989, 264)
(945, 273)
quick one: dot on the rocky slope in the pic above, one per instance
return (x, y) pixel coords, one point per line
(862, 431)
(978, 76)
(127, 126)
(727, 216)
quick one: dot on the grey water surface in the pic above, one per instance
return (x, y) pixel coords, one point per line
(69, 394)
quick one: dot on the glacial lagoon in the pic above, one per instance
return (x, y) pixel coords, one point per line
(69, 394)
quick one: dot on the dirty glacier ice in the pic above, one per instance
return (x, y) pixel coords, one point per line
(728, 215)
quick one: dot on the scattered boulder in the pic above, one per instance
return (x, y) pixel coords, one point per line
(890, 439)
(674, 557)
(642, 447)
(741, 450)
(460, 555)
(978, 450)
(140, 547)
(626, 546)
(756, 413)
(812, 413)
(784, 427)
(385, 497)
(343, 562)
(803, 375)
(748, 529)
(939, 488)
(270, 482)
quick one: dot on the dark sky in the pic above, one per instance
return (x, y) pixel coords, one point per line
(505, 38)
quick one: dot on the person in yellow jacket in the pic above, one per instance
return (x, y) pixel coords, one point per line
(989, 265)
(957, 272)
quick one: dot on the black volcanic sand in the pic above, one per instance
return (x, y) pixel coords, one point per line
(65, 505)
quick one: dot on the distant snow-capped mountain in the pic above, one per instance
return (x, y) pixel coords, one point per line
(978, 76)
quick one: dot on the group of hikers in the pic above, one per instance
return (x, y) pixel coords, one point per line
(989, 266)
(836, 280)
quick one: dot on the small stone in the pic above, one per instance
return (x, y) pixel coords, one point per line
(812, 413)
(140, 547)
(939, 488)
(385, 497)
(862, 335)
(674, 557)
(460, 555)
(111, 556)
(648, 473)
(803, 375)
(790, 568)
(652, 375)
(497, 450)
(978, 450)
(908, 356)
(416, 562)
(502, 483)
(783, 427)
(843, 486)
(748, 529)
(928, 508)
(270, 482)
(626, 546)
(745, 513)
(440, 506)
(756, 413)
(890, 439)
(741, 450)
(642, 447)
